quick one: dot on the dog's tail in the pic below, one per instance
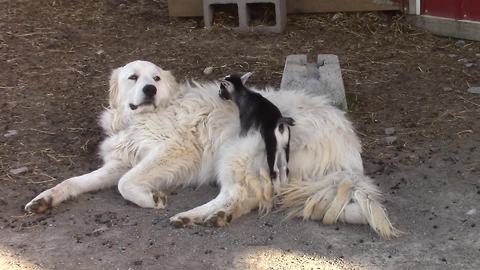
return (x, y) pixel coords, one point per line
(342, 196)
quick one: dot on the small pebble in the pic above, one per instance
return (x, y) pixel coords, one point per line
(390, 139)
(471, 212)
(460, 43)
(389, 131)
(99, 231)
(208, 70)
(336, 16)
(447, 89)
(19, 170)
(468, 65)
(10, 133)
(155, 221)
(100, 52)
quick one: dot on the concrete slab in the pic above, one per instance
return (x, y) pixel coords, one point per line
(474, 90)
(321, 78)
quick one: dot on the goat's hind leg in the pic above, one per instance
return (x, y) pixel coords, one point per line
(271, 149)
(277, 181)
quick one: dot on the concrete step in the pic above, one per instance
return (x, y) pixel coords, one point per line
(321, 78)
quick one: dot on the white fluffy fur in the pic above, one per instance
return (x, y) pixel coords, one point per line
(191, 138)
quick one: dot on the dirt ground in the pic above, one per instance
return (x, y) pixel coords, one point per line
(56, 57)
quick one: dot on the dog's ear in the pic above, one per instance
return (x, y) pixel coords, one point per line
(113, 90)
(169, 79)
(245, 77)
(170, 86)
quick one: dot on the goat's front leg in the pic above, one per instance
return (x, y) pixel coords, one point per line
(106, 176)
(173, 165)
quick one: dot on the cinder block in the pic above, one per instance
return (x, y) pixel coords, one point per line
(321, 78)
(244, 16)
(193, 8)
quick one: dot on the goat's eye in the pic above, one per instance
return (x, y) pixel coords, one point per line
(156, 78)
(133, 77)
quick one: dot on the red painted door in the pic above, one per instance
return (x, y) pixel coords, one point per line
(471, 9)
(455, 9)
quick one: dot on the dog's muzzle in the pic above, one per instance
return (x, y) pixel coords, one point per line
(149, 91)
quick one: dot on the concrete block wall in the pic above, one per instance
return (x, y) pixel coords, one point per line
(244, 17)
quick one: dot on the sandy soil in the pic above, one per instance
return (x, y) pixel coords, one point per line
(56, 56)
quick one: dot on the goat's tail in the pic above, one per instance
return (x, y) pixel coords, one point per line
(287, 121)
(342, 196)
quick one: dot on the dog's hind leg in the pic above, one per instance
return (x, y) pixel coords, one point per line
(232, 202)
(106, 176)
(241, 188)
(217, 212)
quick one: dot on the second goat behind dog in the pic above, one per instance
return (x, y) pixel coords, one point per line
(259, 113)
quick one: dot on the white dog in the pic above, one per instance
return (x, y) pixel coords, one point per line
(163, 135)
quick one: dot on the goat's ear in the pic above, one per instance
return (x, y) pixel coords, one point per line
(113, 90)
(245, 77)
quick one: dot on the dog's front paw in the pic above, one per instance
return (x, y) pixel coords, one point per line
(43, 202)
(39, 206)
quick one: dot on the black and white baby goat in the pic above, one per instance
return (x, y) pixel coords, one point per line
(257, 112)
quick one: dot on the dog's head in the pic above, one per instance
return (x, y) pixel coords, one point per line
(141, 86)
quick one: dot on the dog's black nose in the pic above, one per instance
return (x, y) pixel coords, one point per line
(149, 90)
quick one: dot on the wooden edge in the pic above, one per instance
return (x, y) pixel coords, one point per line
(463, 29)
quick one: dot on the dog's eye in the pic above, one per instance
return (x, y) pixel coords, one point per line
(156, 78)
(133, 77)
